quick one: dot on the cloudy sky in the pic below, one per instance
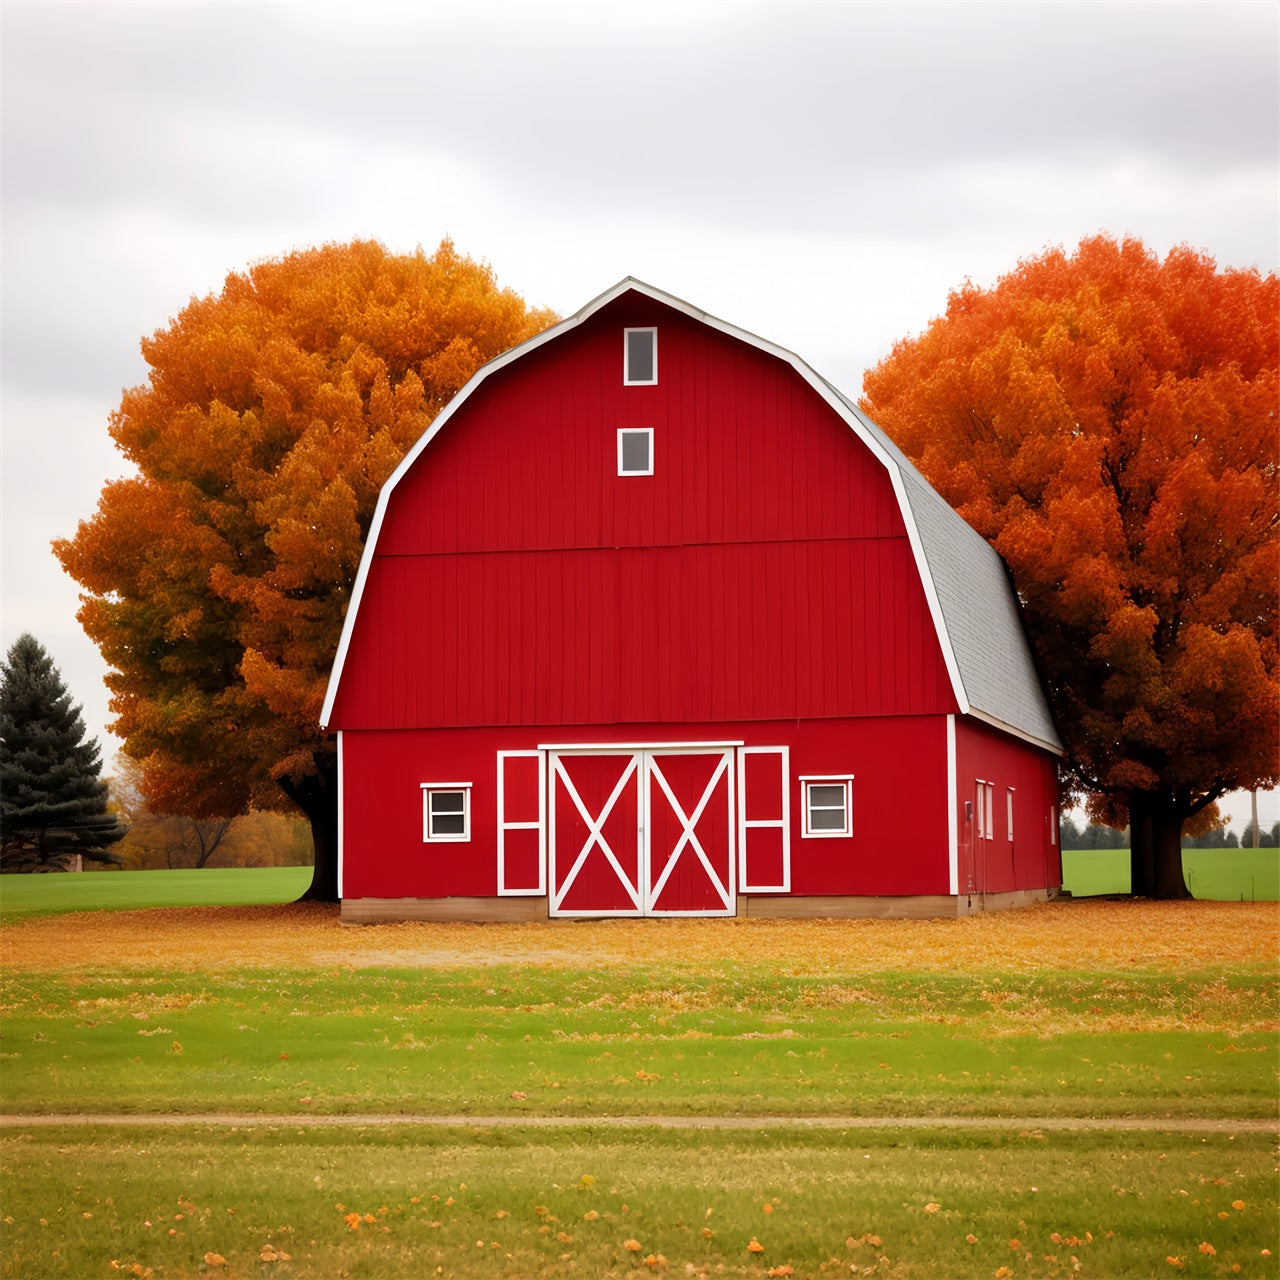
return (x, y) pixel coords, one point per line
(821, 174)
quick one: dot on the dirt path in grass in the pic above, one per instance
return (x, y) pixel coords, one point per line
(1024, 1124)
(1073, 935)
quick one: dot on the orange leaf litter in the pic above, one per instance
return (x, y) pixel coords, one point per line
(1071, 935)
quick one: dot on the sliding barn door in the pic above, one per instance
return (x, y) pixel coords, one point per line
(594, 834)
(641, 832)
(690, 863)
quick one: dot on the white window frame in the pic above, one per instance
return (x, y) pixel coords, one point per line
(1009, 810)
(627, 379)
(1053, 826)
(635, 431)
(844, 780)
(451, 837)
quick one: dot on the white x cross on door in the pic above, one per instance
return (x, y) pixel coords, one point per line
(641, 832)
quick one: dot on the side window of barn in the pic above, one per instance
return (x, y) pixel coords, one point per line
(446, 811)
(640, 357)
(828, 806)
(986, 806)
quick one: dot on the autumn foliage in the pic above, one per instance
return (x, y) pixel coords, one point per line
(1108, 421)
(216, 577)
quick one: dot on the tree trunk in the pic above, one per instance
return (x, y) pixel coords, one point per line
(1155, 854)
(317, 797)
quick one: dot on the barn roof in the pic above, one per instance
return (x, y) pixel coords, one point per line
(971, 599)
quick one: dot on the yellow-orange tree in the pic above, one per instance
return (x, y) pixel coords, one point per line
(216, 578)
(1107, 420)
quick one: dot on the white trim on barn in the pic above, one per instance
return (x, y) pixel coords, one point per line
(342, 791)
(627, 379)
(745, 824)
(539, 888)
(561, 885)
(808, 781)
(953, 812)
(688, 838)
(622, 748)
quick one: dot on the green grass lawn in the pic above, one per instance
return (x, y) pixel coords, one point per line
(22, 896)
(527, 1039)
(1221, 875)
(414, 1202)
(758, 1038)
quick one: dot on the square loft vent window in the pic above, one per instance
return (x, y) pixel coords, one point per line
(635, 451)
(640, 357)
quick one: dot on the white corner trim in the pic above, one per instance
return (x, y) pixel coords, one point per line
(341, 824)
(953, 818)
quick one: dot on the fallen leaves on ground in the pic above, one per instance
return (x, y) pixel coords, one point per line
(1071, 935)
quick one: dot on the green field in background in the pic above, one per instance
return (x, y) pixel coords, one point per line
(1220, 875)
(22, 896)
(1225, 875)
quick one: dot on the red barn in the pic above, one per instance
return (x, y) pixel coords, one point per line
(654, 621)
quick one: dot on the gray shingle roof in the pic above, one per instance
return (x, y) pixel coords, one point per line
(978, 604)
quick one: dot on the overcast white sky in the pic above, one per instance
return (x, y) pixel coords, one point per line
(821, 174)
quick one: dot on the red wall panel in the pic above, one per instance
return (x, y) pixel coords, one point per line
(756, 631)
(1031, 859)
(898, 764)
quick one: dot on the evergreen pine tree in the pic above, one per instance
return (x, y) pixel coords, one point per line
(53, 804)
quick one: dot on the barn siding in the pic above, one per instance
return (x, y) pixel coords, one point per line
(1032, 858)
(758, 631)
(744, 451)
(899, 767)
(763, 572)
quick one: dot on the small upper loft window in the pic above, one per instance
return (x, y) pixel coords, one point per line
(635, 451)
(639, 357)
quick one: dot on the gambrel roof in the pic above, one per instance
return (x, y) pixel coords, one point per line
(971, 600)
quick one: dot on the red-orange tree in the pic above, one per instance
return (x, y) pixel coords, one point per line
(1107, 420)
(216, 578)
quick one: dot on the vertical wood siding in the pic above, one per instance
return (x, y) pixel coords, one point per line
(762, 571)
(1031, 859)
(898, 842)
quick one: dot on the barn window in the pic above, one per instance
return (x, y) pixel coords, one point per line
(635, 451)
(1009, 802)
(640, 357)
(446, 811)
(828, 806)
(986, 815)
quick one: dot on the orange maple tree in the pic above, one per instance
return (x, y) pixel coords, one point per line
(1107, 420)
(216, 577)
